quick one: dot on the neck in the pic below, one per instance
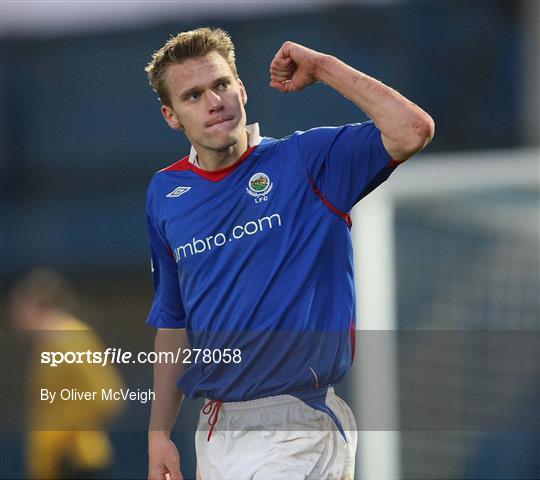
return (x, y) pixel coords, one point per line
(212, 160)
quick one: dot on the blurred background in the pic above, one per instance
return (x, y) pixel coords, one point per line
(453, 234)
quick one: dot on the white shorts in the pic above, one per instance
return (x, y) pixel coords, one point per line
(277, 438)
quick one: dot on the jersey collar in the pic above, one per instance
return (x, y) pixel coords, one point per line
(254, 138)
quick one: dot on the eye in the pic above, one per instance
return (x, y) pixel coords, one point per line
(192, 97)
(224, 85)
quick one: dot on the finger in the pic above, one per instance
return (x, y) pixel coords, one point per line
(279, 86)
(282, 61)
(283, 87)
(284, 51)
(282, 64)
(280, 78)
(174, 475)
(284, 72)
(279, 59)
(156, 472)
(280, 75)
(278, 68)
(173, 467)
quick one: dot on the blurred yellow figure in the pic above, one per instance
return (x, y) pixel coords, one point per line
(66, 434)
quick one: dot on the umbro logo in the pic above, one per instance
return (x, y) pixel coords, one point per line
(178, 191)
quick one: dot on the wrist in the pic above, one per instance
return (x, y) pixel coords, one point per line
(159, 435)
(324, 66)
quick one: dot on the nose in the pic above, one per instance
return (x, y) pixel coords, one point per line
(214, 101)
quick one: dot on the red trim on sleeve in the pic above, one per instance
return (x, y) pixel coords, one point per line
(344, 216)
(393, 163)
(353, 340)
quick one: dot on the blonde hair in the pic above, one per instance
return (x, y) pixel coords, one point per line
(192, 44)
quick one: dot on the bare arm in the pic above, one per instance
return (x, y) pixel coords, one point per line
(163, 454)
(405, 127)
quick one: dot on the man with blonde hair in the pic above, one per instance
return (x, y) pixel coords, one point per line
(252, 260)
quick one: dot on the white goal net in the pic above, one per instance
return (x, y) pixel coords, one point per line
(447, 271)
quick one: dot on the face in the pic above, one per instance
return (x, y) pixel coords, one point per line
(25, 312)
(207, 103)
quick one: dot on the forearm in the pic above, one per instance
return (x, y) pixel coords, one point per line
(404, 126)
(168, 398)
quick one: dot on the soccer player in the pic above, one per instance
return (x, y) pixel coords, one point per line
(252, 260)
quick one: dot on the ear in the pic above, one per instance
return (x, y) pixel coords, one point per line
(243, 92)
(170, 117)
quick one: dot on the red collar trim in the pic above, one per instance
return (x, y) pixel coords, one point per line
(178, 166)
(215, 175)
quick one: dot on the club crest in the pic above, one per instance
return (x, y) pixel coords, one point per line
(259, 186)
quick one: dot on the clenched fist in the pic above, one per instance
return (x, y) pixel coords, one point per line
(294, 67)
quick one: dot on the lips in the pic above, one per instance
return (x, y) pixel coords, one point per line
(217, 121)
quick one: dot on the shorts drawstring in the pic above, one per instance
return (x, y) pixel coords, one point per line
(212, 408)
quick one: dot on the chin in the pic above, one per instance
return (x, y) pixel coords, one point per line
(230, 140)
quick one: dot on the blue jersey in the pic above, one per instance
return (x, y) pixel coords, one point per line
(257, 258)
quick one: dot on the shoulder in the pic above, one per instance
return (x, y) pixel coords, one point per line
(311, 135)
(294, 143)
(333, 131)
(179, 166)
(66, 322)
(350, 134)
(161, 181)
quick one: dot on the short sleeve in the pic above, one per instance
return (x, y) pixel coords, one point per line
(345, 163)
(167, 309)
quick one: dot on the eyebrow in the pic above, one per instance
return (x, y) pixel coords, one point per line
(198, 88)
